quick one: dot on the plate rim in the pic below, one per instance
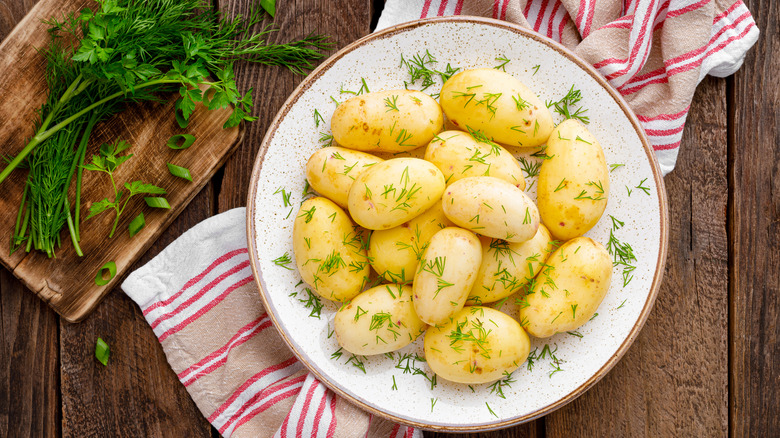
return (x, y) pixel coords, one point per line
(588, 68)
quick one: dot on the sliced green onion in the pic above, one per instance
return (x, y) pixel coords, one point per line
(102, 351)
(174, 141)
(181, 172)
(111, 268)
(137, 225)
(157, 203)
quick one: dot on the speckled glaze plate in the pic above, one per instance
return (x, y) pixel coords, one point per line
(384, 388)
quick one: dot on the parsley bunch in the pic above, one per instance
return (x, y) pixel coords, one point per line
(129, 51)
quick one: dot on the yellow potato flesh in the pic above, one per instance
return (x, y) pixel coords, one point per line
(387, 121)
(479, 345)
(394, 253)
(379, 320)
(459, 156)
(568, 291)
(498, 105)
(509, 267)
(329, 252)
(446, 274)
(332, 170)
(393, 192)
(573, 185)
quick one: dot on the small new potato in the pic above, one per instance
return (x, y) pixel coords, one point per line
(491, 207)
(573, 185)
(497, 104)
(379, 320)
(508, 267)
(479, 345)
(394, 253)
(568, 291)
(387, 121)
(328, 252)
(393, 192)
(332, 170)
(446, 274)
(458, 155)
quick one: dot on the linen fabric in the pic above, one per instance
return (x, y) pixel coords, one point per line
(654, 52)
(199, 297)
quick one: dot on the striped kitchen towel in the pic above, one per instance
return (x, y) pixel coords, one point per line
(200, 299)
(654, 52)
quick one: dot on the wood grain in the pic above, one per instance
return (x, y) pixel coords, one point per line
(67, 281)
(137, 394)
(29, 363)
(673, 380)
(754, 218)
(29, 353)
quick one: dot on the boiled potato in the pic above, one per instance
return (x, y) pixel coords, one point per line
(332, 170)
(478, 345)
(498, 105)
(569, 290)
(508, 267)
(393, 192)
(446, 274)
(387, 121)
(458, 155)
(573, 185)
(394, 253)
(328, 250)
(379, 320)
(491, 207)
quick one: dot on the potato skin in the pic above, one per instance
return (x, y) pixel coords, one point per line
(458, 155)
(489, 100)
(387, 121)
(446, 274)
(379, 320)
(328, 250)
(394, 253)
(567, 293)
(393, 192)
(577, 169)
(332, 170)
(508, 267)
(491, 207)
(500, 345)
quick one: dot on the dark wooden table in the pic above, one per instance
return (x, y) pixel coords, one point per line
(706, 364)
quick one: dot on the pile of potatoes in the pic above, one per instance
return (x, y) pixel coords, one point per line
(455, 230)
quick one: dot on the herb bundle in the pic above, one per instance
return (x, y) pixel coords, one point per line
(131, 51)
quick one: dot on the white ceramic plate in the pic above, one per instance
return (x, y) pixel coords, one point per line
(465, 42)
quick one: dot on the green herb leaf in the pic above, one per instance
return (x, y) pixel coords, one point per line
(102, 351)
(269, 6)
(138, 187)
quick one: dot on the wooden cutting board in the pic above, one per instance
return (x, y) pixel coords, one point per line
(67, 282)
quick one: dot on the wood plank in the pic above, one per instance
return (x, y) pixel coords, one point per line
(29, 352)
(138, 393)
(673, 380)
(67, 281)
(29, 363)
(754, 218)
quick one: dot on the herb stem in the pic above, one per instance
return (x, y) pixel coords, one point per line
(81, 155)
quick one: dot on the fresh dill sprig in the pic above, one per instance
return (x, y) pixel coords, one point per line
(130, 51)
(565, 106)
